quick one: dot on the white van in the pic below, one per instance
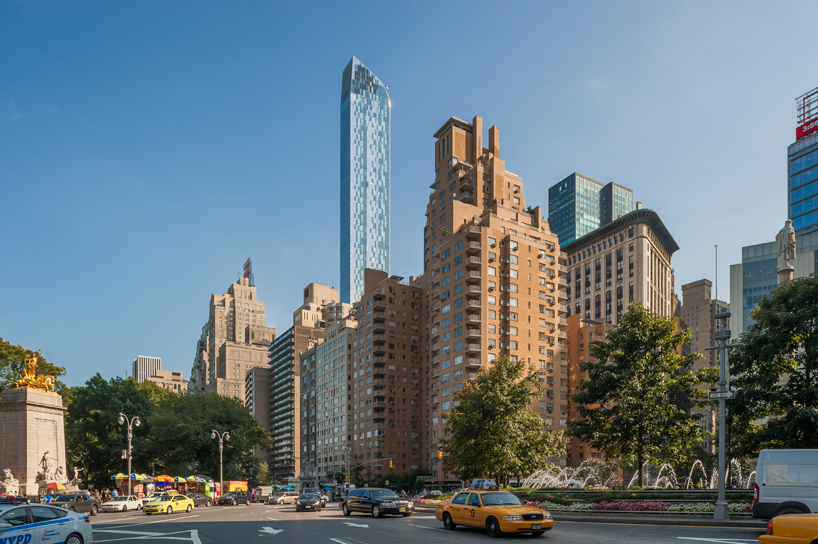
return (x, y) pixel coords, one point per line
(786, 483)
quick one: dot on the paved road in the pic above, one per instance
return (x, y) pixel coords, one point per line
(277, 524)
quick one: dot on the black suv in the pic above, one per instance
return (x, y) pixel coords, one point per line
(234, 498)
(376, 501)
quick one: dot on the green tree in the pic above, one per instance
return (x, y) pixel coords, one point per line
(775, 372)
(262, 476)
(638, 396)
(12, 364)
(492, 430)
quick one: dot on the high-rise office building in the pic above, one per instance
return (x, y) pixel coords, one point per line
(491, 280)
(145, 367)
(234, 338)
(802, 167)
(578, 205)
(625, 261)
(366, 113)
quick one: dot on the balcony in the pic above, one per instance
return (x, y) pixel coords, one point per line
(563, 268)
(435, 307)
(563, 307)
(379, 415)
(378, 316)
(473, 305)
(562, 335)
(563, 281)
(473, 262)
(473, 318)
(472, 276)
(378, 405)
(473, 247)
(562, 294)
(465, 183)
(379, 338)
(379, 371)
(379, 349)
(378, 360)
(435, 294)
(473, 232)
(435, 362)
(473, 291)
(379, 327)
(379, 304)
(471, 376)
(473, 362)
(472, 348)
(435, 374)
(473, 333)
(379, 294)
(467, 197)
(563, 322)
(379, 393)
(379, 383)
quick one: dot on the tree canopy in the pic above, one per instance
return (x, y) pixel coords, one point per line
(492, 429)
(174, 435)
(12, 364)
(638, 396)
(775, 372)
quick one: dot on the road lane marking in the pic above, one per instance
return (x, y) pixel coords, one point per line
(432, 528)
(338, 541)
(356, 524)
(273, 519)
(269, 531)
(193, 536)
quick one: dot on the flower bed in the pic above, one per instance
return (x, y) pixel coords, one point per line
(640, 506)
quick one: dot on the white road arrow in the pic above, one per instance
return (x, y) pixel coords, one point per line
(356, 525)
(269, 531)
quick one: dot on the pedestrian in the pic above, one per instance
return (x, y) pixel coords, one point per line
(114, 493)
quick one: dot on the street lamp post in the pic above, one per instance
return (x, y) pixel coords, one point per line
(222, 437)
(132, 422)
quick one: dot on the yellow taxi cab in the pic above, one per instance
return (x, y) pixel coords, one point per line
(497, 511)
(169, 504)
(791, 529)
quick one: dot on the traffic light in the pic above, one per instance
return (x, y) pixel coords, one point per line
(390, 463)
(439, 454)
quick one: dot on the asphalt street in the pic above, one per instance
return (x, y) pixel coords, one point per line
(260, 523)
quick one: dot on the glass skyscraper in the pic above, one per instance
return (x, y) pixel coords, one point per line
(578, 205)
(366, 113)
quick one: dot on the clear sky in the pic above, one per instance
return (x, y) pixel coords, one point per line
(148, 148)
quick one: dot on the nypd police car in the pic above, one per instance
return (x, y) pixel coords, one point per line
(25, 524)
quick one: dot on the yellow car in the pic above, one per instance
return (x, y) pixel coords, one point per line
(498, 511)
(169, 504)
(791, 529)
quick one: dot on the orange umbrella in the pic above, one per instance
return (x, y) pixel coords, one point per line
(163, 479)
(55, 485)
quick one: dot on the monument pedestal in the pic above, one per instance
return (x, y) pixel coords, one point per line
(32, 424)
(785, 275)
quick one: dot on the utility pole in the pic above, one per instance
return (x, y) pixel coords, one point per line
(222, 437)
(134, 421)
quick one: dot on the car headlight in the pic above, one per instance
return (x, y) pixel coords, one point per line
(511, 518)
(547, 516)
(411, 504)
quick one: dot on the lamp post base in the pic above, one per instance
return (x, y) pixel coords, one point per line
(722, 513)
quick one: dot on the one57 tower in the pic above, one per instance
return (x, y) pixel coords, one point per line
(366, 112)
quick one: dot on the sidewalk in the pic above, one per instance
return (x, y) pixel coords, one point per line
(639, 518)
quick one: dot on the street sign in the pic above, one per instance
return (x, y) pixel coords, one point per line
(718, 395)
(387, 482)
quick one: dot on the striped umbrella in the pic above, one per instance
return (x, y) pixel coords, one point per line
(162, 479)
(119, 476)
(195, 479)
(179, 479)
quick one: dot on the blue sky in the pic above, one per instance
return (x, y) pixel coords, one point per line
(148, 148)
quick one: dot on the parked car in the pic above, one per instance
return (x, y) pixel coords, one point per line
(376, 501)
(786, 483)
(791, 529)
(40, 522)
(317, 492)
(78, 502)
(153, 496)
(234, 498)
(283, 497)
(200, 499)
(12, 499)
(122, 503)
(169, 504)
(308, 501)
(497, 511)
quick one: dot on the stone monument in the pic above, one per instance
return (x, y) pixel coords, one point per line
(786, 253)
(31, 419)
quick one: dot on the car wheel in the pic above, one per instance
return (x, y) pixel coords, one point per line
(207, 504)
(94, 510)
(448, 522)
(189, 509)
(345, 509)
(376, 511)
(73, 539)
(72, 509)
(234, 503)
(170, 510)
(493, 527)
(247, 503)
(538, 533)
(790, 510)
(406, 515)
(147, 513)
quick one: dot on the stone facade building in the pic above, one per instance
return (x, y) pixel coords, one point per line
(170, 380)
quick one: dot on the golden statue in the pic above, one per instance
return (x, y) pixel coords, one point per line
(29, 378)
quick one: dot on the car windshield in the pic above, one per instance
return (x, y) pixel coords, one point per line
(119, 499)
(383, 494)
(64, 498)
(163, 499)
(308, 497)
(500, 499)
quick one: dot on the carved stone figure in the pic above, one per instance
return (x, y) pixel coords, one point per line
(786, 245)
(46, 472)
(9, 485)
(59, 475)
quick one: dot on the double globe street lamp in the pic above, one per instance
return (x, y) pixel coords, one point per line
(132, 422)
(222, 437)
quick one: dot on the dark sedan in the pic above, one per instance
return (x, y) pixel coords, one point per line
(200, 499)
(308, 501)
(377, 502)
(234, 498)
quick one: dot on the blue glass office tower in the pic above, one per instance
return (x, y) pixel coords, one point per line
(578, 205)
(366, 114)
(802, 167)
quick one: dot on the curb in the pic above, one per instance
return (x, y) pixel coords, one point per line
(660, 520)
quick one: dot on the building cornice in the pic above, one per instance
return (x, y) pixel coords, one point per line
(644, 215)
